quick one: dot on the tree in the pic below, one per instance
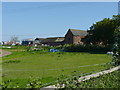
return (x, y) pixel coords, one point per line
(116, 47)
(116, 19)
(15, 39)
(102, 32)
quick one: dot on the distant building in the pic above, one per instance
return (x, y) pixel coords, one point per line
(27, 42)
(119, 8)
(38, 41)
(74, 36)
(53, 41)
(4, 43)
(11, 43)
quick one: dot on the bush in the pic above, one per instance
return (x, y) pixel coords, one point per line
(85, 48)
(110, 80)
(116, 49)
(34, 83)
(40, 48)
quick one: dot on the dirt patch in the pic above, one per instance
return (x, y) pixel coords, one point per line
(4, 53)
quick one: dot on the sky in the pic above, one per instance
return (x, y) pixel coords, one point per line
(59, 0)
(51, 19)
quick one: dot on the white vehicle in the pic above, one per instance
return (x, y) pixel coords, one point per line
(110, 53)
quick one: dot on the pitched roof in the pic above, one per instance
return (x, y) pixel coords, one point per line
(39, 39)
(53, 39)
(77, 32)
(29, 39)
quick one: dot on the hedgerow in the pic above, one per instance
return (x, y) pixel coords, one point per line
(116, 48)
(110, 80)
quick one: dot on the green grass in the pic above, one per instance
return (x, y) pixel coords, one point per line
(15, 48)
(21, 65)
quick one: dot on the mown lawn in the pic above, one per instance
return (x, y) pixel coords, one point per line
(20, 66)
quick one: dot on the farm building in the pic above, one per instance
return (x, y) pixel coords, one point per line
(74, 36)
(27, 42)
(53, 41)
(38, 41)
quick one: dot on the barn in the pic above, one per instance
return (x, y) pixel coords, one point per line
(53, 41)
(74, 36)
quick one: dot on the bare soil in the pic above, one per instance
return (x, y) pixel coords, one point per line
(4, 53)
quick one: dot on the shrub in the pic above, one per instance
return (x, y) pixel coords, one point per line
(85, 48)
(34, 83)
(116, 48)
(110, 80)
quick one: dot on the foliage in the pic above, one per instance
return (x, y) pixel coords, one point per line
(7, 84)
(39, 48)
(116, 47)
(30, 83)
(102, 32)
(110, 80)
(116, 19)
(37, 83)
(86, 48)
(15, 39)
(34, 83)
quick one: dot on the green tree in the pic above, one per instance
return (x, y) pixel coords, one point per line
(15, 39)
(116, 19)
(102, 32)
(116, 47)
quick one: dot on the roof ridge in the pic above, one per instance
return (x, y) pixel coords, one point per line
(55, 37)
(76, 30)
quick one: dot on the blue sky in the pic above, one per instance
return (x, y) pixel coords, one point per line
(51, 19)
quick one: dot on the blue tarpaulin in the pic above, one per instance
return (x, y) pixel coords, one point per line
(54, 50)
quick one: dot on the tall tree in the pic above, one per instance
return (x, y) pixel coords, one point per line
(102, 31)
(15, 39)
(116, 47)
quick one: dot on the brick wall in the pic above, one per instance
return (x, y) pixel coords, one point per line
(76, 40)
(69, 38)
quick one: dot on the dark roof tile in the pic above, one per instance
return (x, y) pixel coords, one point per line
(77, 32)
(54, 39)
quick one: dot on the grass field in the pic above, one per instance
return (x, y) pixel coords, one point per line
(20, 66)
